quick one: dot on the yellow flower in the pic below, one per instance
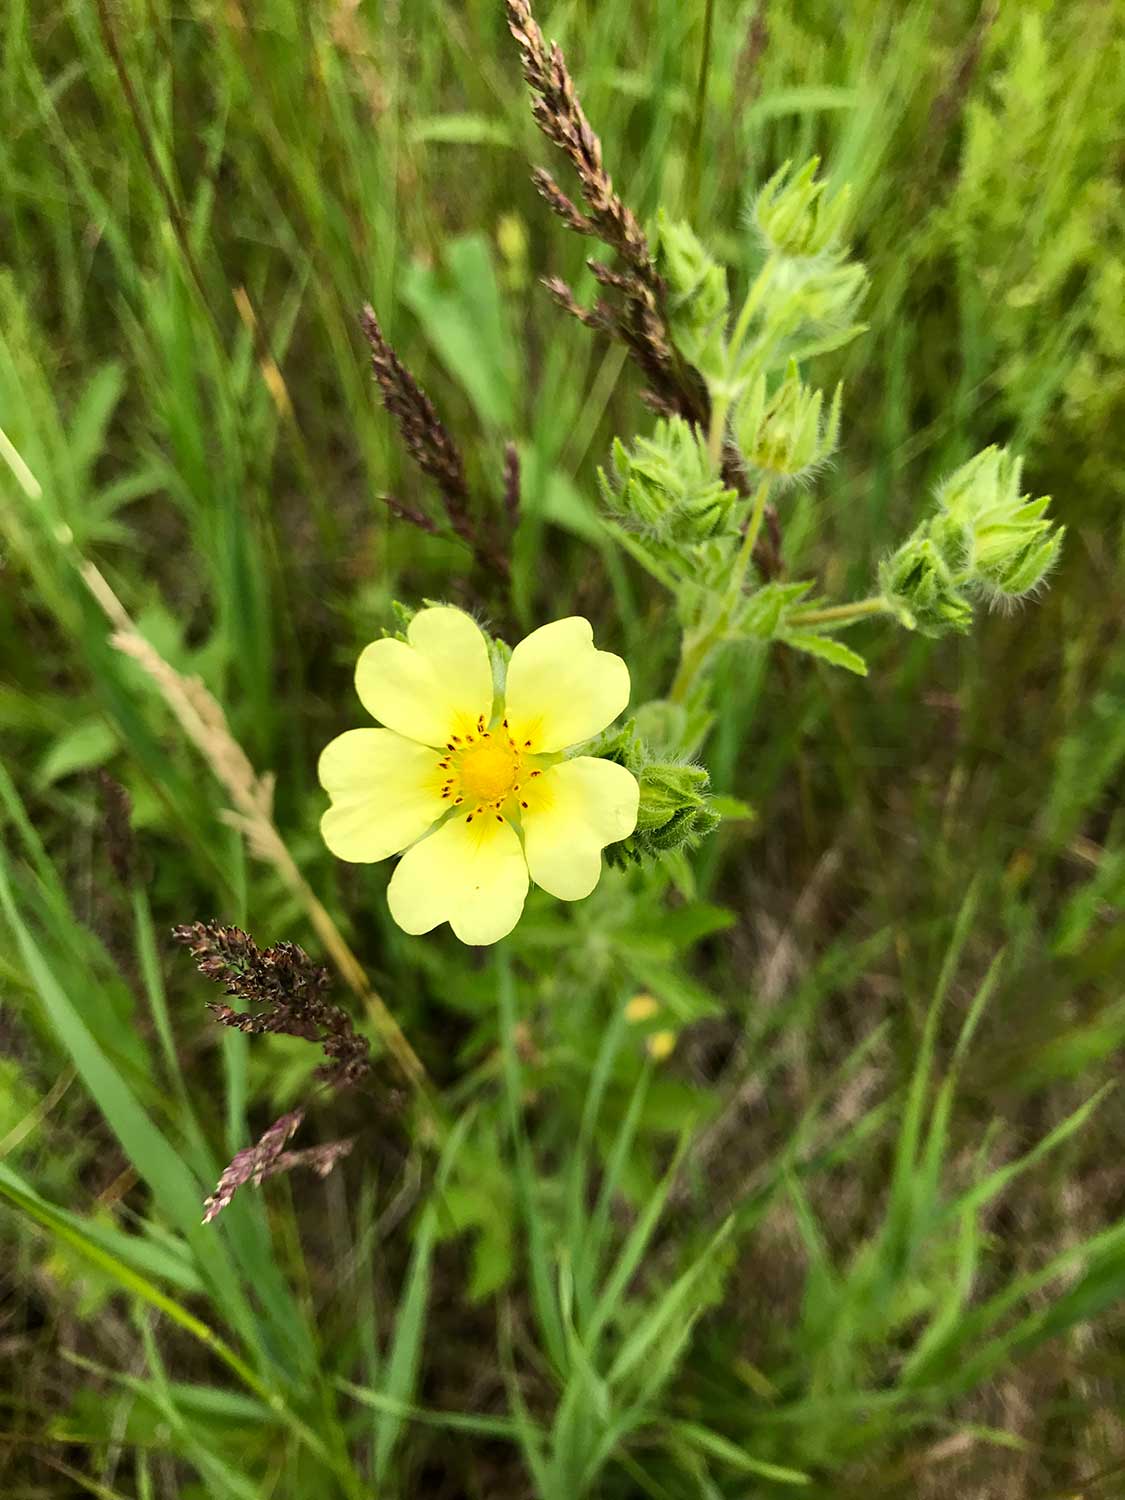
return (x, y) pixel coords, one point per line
(642, 1007)
(474, 785)
(661, 1045)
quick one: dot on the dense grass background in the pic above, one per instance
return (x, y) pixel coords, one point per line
(862, 1232)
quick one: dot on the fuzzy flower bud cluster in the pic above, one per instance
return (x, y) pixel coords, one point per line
(794, 215)
(675, 809)
(667, 484)
(698, 299)
(806, 294)
(787, 434)
(986, 539)
(922, 589)
(1009, 542)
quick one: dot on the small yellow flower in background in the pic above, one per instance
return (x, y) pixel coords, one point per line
(642, 1007)
(474, 787)
(661, 1045)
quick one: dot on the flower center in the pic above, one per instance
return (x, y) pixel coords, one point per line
(488, 769)
(484, 769)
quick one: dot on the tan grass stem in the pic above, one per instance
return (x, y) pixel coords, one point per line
(202, 719)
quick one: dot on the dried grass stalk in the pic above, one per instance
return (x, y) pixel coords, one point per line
(429, 445)
(203, 721)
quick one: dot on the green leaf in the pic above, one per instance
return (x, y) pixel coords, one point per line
(460, 308)
(800, 101)
(175, 1189)
(86, 427)
(727, 1452)
(829, 650)
(459, 130)
(167, 1259)
(400, 1373)
(733, 809)
(86, 745)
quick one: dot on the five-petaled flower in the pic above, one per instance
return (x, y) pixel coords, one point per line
(473, 784)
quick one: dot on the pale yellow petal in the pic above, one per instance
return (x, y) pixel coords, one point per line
(469, 873)
(561, 689)
(386, 791)
(435, 684)
(574, 810)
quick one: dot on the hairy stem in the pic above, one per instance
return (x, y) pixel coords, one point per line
(750, 540)
(841, 614)
(697, 647)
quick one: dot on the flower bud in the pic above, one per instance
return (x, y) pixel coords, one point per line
(666, 483)
(794, 216)
(1009, 544)
(698, 297)
(675, 808)
(919, 586)
(787, 435)
(674, 811)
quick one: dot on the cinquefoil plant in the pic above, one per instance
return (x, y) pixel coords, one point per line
(695, 500)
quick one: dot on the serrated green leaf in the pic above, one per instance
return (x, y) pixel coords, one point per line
(829, 650)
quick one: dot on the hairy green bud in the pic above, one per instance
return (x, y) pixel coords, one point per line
(698, 299)
(667, 484)
(674, 811)
(921, 588)
(675, 808)
(1009, 544)
(788, 434)
(794, 215)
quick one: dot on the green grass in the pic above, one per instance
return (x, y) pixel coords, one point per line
(861, 1234)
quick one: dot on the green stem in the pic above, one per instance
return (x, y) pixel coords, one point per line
(695, 653)
(720, 406)
(841, 614)
(692, 659)
(749, 307)
(722, 399)
(750, 540)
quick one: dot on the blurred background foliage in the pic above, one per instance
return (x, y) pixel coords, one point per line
(860, 1229)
